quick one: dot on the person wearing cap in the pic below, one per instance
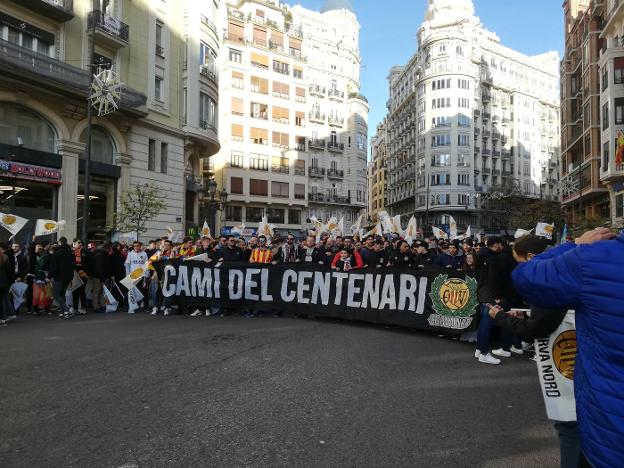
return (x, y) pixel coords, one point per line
(261, 254)
(451, 258)
(378, 258)
(402, 257)
(424, 257)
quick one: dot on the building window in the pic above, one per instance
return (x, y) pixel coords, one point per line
(207, 111)
(463, 102)
(605, 78)
(463, 179)
(463, 140)
(164, 155)
(236, 56)
(258, 187)
(440, 140)
(440, 199)
(259, 136)
(258, 162)
(151, 155)
(300, 192)
(238, 80)
(463, 84)
(158, 88)
(276, 215)
(297, 73)
(618, 70)
(441, 84)
(619, 111)
(236, 159)
(440, 160)
(463, 120)
(605, 116)
(236, 185)
(254, 214)
(233, 213)
(463, 199)
(440, 103)
(440, 122)
(279, 189)
(463, 160)
(361, 140)
(294, 216)
(160, 51)
(207, 55)
(619, 206)
(281, 67)
(440, 179)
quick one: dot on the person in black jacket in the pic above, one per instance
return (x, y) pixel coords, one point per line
(62, 272)
(402, 256)
(310, 253)
(6, 279)
(229, 253)
(378, 257)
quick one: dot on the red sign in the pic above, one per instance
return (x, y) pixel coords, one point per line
(30, 172)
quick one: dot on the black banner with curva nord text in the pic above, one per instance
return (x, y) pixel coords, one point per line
(424, 299)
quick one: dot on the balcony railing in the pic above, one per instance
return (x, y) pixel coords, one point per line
(496, 136)
(54, 74)
(209, 71)
(316, 117)
(486, 116)
(316, 143)
(485, 170)
(114, 31)
(294, 31)
(321, 197)
(314, 171)
(496, 154)
(317, 90)
(234, 38)
(486, 97)
(335, 147)
(335, 120)
(486, 134)
(335, 174)
(59, 10)
(496, 171)
(336, 94)
(486, 152)
(278, 169)
(205, 125)
(209, 24)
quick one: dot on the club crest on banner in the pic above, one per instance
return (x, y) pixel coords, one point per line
(564, 353)
(454, 300)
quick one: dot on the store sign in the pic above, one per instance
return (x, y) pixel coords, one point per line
(30, 172)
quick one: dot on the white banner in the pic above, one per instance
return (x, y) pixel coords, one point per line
(556, 357)
(109, 300)
(12, 223)
(134, 298)
(112, 24)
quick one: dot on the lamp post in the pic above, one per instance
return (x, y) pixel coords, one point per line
(214, 204)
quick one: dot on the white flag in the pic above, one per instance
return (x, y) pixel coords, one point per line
(386, 222)
(411, 231)
(134, 298)
(556, 357)
(438, 233)
(205, 232)
(200, 258)
(265, 229)
(355, 228)
(396, 225)
(135, 275)
(12, 223)
(377, 231)
(452, 227)
(18, 293)
(467, 234)
(47, 226)
(238, 229)
(521, 232)
(109, 300)
(170, 233)
(545, 230)
(76, 282)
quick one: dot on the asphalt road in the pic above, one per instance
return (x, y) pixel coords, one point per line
(139, 391)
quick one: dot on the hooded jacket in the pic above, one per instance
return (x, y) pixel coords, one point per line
(588, 278)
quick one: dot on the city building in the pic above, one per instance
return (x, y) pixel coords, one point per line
(583, 195)
(293, 127)
(165, 124)
(611, 65)
(467, 117)
(377, 172)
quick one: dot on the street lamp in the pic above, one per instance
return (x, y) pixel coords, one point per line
(213, 204)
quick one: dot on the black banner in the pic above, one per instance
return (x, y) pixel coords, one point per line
(425, 299)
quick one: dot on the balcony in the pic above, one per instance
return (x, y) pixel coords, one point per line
(51, 74)
(505, 121)
(335, 121)
(321, 197)
(336, 95)
(209, 24)
(477, 113)
(485, 170)
(278, 169)
(486, 134)
(58, 10)
(318, 117)
(486, 152)
(109, 30)
(496, 172)
(496, 135)
(314, 171)
(486, 116)
(496, 154)
(234, 38)
(477, 150)
(507, 173)
(316, 144)
(205, 125)
(485, 97)
(316, 90)
(209, 71)
(335, 174)
(477, 131)
(294, 31)
(335, 147)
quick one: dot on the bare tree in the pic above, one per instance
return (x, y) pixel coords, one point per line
(137, 206)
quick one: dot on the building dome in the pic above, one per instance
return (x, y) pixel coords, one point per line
(337, 5)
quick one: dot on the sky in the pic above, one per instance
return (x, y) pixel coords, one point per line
(389, 27)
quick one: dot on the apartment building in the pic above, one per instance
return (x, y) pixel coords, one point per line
(584, 197)
(611, 65)
(377, 169)
(468, 116)
(293, 124)
(154, 136)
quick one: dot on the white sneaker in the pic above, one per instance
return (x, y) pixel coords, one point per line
(82, 311)
(167, 312)
(131, 312)
(10, 318)
(71, 310)
(162, 308)
(501, 352)
(489, 359)
(197, 313)
(517, 351)
(477, 354)
(208, 313)
(155, 311)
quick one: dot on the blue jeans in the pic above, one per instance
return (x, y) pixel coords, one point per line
(485, 328)
(569, 443)
(58, 293)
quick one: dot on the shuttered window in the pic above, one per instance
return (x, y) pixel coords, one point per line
(236, 32)
(236, 185)
(237, 132)
(280, 139)
(259, 187)
(280, 114)
(237, 106)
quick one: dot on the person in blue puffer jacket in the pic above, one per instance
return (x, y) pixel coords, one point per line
(587, 276)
